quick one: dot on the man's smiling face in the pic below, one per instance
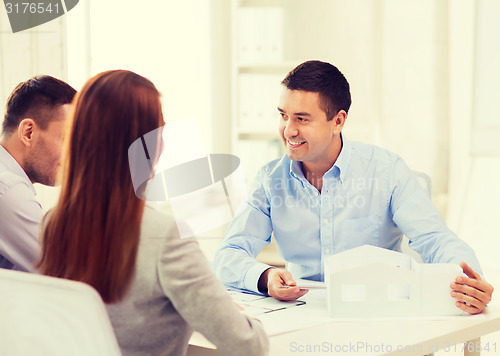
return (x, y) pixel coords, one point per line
(307, 134)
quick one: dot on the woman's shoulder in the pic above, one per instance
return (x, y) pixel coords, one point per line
(157, 222)
(160, 233)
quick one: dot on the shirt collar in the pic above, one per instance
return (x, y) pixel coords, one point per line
(296, 171)
(12, 166)
(344, 158)
(340, 164)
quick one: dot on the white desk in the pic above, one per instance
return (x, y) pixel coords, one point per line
(394, 337)
(381, 337)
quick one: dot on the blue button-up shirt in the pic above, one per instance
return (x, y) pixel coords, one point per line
(369, 196)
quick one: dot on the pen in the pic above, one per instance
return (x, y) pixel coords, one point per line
(315, 286)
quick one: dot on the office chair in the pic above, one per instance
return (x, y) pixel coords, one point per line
(42, 315)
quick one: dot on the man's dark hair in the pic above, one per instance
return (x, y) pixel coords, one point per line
(325, 79)
(36, 98)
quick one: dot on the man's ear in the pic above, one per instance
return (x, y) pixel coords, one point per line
(25, 131)
(339, 121)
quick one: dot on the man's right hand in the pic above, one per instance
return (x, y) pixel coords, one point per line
(279, 284)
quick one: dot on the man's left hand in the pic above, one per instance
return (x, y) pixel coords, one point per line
(472, 294)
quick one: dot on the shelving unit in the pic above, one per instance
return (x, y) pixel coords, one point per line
(258, 66)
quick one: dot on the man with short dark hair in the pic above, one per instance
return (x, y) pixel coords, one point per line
(328, 195)
(33, 131)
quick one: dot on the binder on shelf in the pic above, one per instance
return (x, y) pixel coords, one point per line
(273, 24)
(260, 35)
(258, 98)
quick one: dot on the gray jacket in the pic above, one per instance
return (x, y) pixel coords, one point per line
(174, 291)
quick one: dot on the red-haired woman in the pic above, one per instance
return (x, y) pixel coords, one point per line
(157, 286)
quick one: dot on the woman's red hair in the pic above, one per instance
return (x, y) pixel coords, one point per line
(92, 235)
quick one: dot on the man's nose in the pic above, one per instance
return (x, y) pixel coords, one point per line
(290, 129)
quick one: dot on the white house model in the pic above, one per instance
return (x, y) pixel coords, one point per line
(370, 281)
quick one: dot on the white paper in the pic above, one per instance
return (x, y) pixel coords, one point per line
(257, 305)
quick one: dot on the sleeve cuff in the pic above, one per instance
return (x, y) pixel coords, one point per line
(253, 275)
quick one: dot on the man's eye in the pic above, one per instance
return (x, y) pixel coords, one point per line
(301, 119)
(283, 115)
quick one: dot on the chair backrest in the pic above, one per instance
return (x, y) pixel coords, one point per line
(42, 315)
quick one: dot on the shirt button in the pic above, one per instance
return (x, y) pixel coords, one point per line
(325, 221)
(316, 193)
(327, 251)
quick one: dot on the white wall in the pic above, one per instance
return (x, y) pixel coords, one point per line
(36, 51)
(474, 192)
(166, 41)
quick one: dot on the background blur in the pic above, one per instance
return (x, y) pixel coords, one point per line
(424, 79)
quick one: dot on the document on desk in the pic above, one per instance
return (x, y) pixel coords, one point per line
(309, 311)
(312, 313)
(256, 304)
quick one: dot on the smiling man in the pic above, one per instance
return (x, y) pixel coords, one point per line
(31, 142)
(328, 195)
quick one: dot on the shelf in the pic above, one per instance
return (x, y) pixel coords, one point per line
(261, 3)
(258, 135)
(271, 68)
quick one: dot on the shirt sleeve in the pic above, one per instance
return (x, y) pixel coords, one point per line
(248, 233)
(21, 215)
(418, 218)
(198, 296)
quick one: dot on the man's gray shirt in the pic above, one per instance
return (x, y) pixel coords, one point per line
(20, 215)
